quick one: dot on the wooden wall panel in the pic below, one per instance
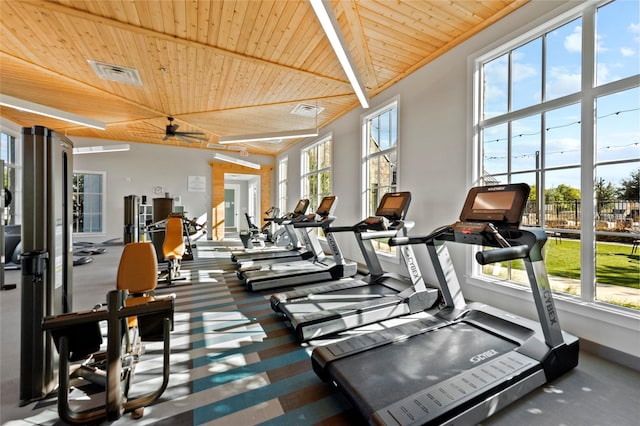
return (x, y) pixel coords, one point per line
(218, 170)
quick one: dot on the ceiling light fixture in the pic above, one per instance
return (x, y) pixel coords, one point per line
(258, 137)
(32, 107)
(236, 161)
(330, 26)
(96, 149)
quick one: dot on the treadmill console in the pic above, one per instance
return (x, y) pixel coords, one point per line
(298, 211)
(489, 207)
(390, 212)
(301, 207)
(394, 205)
(327, 206)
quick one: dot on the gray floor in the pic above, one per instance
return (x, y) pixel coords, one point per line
(597, 392)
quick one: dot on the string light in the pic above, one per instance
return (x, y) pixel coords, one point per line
(560, 126)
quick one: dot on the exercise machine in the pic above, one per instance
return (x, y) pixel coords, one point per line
(294, 251)
(466, 361)
(333, 307)
(133, 316)
(260, 235)
(319, 268)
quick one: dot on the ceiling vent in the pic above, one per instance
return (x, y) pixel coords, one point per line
(116, 73)
(306, 110)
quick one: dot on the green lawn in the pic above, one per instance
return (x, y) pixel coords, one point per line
(614, 262)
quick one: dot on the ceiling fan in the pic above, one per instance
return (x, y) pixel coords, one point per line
(172, 131)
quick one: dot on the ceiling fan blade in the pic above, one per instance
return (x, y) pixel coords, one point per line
(166, 137)
(189, 139)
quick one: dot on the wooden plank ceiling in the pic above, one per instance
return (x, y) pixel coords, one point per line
(222, 68)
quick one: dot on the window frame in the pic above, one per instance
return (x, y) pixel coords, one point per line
(365, 157)
(283, 163)
(103, 195)
(305, 173)
(13, 212)
(585, 97)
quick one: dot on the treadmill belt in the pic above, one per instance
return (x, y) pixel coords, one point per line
(319, 302)
(378, 378)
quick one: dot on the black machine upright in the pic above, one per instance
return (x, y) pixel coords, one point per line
(333, 307)
(47, 256)
(466, 361)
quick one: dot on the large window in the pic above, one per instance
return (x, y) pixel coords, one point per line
(88, 202)
(559, 110)
(282, 184)
(380, 146)
(10, 185)
(316, 172)
(379, 160)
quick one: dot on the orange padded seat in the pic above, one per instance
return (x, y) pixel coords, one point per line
(173, 246)
(138, 274)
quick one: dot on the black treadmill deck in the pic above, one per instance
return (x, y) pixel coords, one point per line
(429, 373)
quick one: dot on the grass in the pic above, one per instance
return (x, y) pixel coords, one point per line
(614, 262)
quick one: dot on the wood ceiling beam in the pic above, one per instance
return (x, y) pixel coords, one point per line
(353, 18)
(99, 20)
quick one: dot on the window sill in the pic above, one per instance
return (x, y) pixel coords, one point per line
(605, 324)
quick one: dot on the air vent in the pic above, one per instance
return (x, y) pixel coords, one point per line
(116, 73)
(306, 110)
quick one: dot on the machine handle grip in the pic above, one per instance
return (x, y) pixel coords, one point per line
(502, 254)
(403, 241)
(340, 229)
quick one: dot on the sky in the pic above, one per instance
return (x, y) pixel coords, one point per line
(617, 115)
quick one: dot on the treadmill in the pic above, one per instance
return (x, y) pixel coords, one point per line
(465, 362)
(318, 269)
(334, 307)
(294, 251)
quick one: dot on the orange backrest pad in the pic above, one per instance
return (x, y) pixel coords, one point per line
(138, 268)
(173, 246)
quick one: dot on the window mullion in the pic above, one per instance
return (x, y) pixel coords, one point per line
(587, 157)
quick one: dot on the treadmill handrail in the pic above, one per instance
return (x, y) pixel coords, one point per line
(402, 241)
(314, 223)
(502, 254)
(370, 234)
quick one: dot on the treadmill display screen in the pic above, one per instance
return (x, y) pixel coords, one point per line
(301, 207)
(493, 202)
(324, 209)
(501, 204)
(394, 205)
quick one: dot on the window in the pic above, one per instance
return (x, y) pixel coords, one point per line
(11, 173)
(282, 185)
(88, 202)
(379, 160)
(316, 172)
(566, 120)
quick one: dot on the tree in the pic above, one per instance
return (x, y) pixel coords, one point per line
(630, 188)
(562, 194)
(605, 191)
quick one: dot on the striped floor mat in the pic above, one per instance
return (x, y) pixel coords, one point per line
(233, 360)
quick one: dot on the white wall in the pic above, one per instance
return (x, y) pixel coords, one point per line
(143, 168)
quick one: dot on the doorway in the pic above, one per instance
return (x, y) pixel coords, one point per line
(231, 207)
